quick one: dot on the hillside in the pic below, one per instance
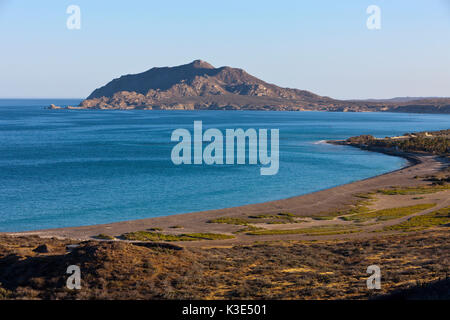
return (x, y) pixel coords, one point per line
(435, 142)
(199, 85)
(413, 267)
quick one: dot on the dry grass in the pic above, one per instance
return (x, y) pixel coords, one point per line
(279, 270)
(436, 218)
(388, 214)
(280, 218)
(318, 231)
(103, 236)
(414, 190)
(228, 220)
(284, 270)
(156, 236)
(359, 206)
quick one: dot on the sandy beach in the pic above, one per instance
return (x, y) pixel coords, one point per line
(420, 165)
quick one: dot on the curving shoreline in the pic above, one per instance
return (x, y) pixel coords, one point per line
(312, 203)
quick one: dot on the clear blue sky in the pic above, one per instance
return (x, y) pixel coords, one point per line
(322, 45)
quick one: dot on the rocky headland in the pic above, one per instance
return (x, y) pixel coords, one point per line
(200, 86)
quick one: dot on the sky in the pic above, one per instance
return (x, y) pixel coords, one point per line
(323, 45)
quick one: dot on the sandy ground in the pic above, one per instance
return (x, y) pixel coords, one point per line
(313, 203)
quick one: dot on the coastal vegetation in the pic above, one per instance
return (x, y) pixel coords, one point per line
(231, 220)
(437, 142)
(388, 214)
(248, 229)
(414, 190)
(436, 218)
(103, 236)
(332, 269)
(317, 231)
(155, 229)
(280, 218)
(156, 236)
(359, 206)
(4, 294)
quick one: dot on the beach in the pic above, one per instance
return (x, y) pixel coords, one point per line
(308, 205)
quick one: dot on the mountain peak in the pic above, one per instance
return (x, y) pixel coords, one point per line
(200, 64)
(196, 83)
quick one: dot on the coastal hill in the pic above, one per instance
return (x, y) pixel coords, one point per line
(199, 85)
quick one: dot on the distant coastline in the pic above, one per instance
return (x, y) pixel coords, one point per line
(427, 109)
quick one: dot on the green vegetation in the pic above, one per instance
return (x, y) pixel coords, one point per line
(229, 220)
(442, 177)
(361, 206)
(435, 142)
(365, 195)
(4, 294)
(316, 231)
(286, 214)
(280, 218)
(280, 221)
(247, 229)
(330, 217)
(154, 236)
(436, 145)
(388, 214)
(103, 236)
(414, 190)
(436, 218)
(155, 229)
(209, 236)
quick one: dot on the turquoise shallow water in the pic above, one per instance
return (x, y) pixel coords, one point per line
(69, 168)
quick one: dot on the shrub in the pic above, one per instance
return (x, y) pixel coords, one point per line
(388, 214)
(229, 220)
(322, 230)
(103, 236)
(154, 236)
(432, 219)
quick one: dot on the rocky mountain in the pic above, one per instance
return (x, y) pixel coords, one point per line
(199, 85)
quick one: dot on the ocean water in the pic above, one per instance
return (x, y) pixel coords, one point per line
(61, 168)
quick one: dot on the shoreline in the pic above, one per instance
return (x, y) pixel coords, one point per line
(311, 203)
(78, 108)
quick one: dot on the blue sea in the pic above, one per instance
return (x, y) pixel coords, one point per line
(61, 168)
